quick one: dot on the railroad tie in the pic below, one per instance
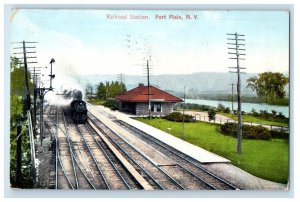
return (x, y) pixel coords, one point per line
(128, 166)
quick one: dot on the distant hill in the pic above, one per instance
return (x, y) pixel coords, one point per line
(197, 83)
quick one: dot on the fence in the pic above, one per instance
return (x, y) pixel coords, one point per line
(32, 147)
(223, 121)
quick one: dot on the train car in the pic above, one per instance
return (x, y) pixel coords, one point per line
(78, 109)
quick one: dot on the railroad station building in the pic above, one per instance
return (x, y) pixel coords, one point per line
(136, 101)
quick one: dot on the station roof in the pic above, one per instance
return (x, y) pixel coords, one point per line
(140, 94)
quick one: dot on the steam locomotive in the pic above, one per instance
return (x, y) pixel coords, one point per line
(78, 108)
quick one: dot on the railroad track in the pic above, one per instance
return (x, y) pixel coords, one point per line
(83, 160)
(168, 176)
(96, 156)
(184, 161)
(117, 174)
(69, 172)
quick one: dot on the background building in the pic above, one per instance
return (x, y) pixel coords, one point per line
(136, 101)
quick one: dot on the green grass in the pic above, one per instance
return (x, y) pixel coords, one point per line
(264, 159)
(253, 119)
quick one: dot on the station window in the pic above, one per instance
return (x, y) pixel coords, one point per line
(156, 107)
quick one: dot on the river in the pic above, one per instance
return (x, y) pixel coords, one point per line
(246, 107)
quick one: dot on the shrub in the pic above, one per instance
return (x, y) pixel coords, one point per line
(256, 132)
(229, 129)
(254, 113)
(178, 117)
(279, 134)
(211, 114)
(274, 113)
(220, 108)
(111, 103)
(249, 132)
(192, 106)
(227, 110)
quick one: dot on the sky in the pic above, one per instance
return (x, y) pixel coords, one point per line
(87, 42)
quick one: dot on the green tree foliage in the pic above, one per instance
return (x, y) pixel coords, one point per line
(17, 90)
(269, 85)
(17, 78)
(16, 109)
(211, 114)
(110, 89)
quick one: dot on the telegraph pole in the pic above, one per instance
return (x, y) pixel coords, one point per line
(232, 97)
(148, 85)
(121, 78)
(42, 93)
(237, 43)
(34, 75)
(148, 80)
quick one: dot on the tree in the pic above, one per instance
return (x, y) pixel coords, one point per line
(17, 78)
(110, 89)
(101, 91)
(211, 114)
(17, 88)
(269, 85)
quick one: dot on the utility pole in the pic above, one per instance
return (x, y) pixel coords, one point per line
(182, 136)
(148, 85)
(148, 80)
(42, 93)
(34, 75)
(121, 78)
(237, 43)
(232, 97)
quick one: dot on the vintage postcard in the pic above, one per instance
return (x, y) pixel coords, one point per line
(149, 99)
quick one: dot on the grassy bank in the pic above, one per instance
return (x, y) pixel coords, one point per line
(265, 159)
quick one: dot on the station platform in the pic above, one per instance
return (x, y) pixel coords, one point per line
(189, 149)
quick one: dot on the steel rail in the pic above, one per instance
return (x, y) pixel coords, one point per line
(107, 157)
(161, 144)
(140, 153)
(72, 154)
(128, 156)
(60, 162)
(56, 145)
(190, 172)
(193, 174)
(81, 170)
(94, 159)
(64, 171)
(72, 157)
